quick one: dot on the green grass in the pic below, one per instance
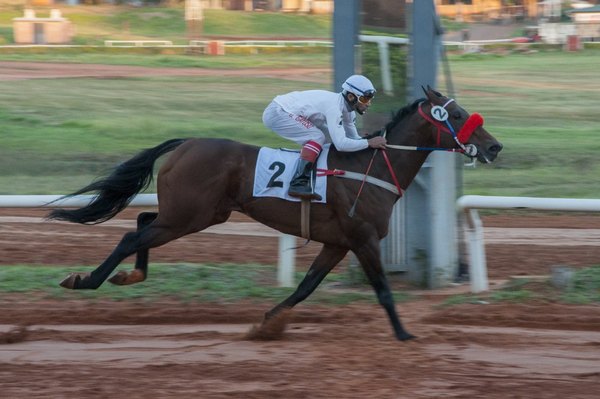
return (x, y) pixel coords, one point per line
(154, 57)
(263, 24)
(583, 290)
(542, 107)
(585, 287)
(183, 282)
(79, 128)
(94, 24)
(54, 128)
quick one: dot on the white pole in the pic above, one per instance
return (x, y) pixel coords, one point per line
(469, 205)
(443, 250)
(285, 262)
(478, 265)
(384, 62)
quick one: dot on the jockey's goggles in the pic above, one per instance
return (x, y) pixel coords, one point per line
(366, 97)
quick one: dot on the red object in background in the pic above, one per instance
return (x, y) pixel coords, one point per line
(522, 39)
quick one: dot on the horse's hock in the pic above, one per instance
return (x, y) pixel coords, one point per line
(31, 29)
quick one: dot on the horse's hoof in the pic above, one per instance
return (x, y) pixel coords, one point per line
(119, 279)
(124, 278)
(270, 329)
(406, 337)
(72, 281)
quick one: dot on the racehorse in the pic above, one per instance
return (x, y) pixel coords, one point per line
(204, 180)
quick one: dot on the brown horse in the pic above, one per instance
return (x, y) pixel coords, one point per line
(204, 180)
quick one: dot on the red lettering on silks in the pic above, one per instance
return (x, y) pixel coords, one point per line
(304, 121)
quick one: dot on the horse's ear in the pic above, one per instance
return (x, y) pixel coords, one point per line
(433, 96)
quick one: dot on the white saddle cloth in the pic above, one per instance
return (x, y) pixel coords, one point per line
(275, 169)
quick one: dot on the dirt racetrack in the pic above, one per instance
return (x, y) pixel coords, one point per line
(101, 349)
(79, 349)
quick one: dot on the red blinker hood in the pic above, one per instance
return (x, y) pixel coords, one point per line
(474, 121)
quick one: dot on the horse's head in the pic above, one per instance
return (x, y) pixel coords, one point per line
(453, 127)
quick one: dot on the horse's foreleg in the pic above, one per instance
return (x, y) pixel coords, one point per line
(327, 259)
(140, 272)
(275, 320)
(370, 260)
(150, 237)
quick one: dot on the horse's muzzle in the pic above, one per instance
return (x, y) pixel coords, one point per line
(489, 153)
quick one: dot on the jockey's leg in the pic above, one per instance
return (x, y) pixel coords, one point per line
(302, 131)
(301, 183)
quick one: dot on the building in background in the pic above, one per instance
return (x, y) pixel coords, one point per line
(587, 22)
(40, 3)
(31, 29)
(486, 10)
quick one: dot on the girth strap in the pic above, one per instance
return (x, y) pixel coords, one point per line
(305, 218)
(305, 203)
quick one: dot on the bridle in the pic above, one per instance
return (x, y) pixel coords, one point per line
(438, 117)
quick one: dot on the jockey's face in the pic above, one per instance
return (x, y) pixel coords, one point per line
(363, 103)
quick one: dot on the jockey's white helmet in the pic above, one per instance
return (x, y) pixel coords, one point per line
(359, 85)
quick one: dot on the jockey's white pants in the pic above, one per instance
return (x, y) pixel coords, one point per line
(290, 126)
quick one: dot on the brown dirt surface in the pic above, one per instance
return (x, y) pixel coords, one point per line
(19, 70)
(98, 349)
(82, 349)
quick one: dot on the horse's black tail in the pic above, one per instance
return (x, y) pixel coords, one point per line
(115, 191)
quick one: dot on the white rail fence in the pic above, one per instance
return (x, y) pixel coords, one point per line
(287, 243)
(469, 204)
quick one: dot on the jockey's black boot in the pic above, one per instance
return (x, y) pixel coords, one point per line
(300, 185)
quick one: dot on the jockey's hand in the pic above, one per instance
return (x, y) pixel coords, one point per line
(377, 142)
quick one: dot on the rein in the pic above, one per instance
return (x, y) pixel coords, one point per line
(440, 115)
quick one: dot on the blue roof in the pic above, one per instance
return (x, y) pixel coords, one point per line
(586, 9)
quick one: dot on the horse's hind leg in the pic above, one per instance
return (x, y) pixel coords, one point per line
(152, 236)
(140, 272)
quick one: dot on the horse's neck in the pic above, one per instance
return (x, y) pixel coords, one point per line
(407, 163)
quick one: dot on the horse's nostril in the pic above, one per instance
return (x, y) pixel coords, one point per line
(496, 148)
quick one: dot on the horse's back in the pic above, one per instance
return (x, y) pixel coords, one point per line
(214, 154)
(200, 166)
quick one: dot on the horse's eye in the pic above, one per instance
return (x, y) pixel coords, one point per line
(457, 115)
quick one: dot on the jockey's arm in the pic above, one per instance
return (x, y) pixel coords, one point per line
(348, 123)
(337, 131)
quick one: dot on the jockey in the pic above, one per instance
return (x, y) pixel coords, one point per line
(314, 117)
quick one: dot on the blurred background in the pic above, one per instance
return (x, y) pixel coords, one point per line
(526, 66)
(86, 84)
